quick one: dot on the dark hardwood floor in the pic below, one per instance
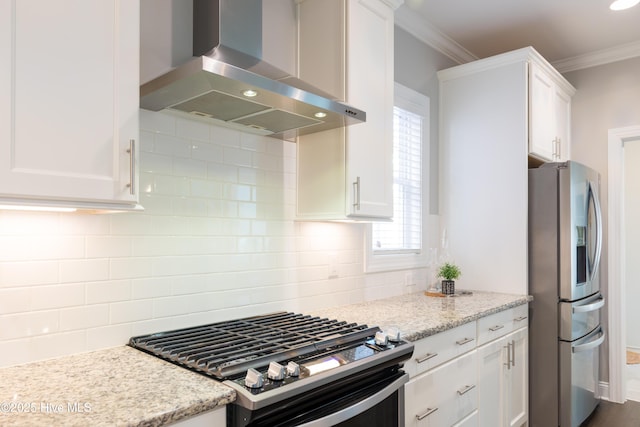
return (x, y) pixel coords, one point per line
(609, 414)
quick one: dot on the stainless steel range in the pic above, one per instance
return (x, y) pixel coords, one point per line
(291, 369)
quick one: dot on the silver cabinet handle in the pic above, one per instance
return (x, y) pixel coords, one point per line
(464, 341)
(496, 328)
(426, 357)
(356, 193)
(426, 414)
(466, 389)
(513, 353)
(132, 167)
(508, 364)
(520, 319)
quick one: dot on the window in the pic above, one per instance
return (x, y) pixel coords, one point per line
(399, 244)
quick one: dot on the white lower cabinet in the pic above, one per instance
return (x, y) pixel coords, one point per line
(443, 396)
(503, 381)
(473, 375)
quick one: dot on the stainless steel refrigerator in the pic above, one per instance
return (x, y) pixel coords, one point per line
(565, 245)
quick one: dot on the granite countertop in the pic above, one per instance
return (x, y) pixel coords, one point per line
(418, 316)
(123, 386)
(120, 386)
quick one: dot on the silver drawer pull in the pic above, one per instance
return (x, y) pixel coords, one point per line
(426, 414)
(520, 319)
(496, 328)
(466, 389)
(464, 341)
(426, 357)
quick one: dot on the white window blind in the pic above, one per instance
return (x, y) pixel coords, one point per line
(404, 234)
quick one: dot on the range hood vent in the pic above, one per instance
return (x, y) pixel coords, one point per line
(228, 82)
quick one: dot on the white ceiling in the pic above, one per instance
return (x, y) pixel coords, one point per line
(571, 34)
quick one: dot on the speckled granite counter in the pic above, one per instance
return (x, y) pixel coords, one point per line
(125, 387)
(418, 316)
(113, 387)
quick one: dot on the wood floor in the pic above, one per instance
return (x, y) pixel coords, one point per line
(609, 414)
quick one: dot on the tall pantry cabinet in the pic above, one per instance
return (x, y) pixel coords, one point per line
(346, 49)
(494, 114)
(69, 102)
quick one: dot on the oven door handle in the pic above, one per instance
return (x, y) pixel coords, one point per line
(359, 407)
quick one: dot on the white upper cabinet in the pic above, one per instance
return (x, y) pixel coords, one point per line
(69, 102)
(346, 49)
(550, 114)
(490, 110)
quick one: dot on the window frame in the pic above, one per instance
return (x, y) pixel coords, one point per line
(418, 103)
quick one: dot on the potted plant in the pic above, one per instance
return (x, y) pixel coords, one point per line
(449, 272)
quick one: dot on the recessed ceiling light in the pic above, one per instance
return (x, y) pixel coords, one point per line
(320, 114)
(250, 93)
(623, 4)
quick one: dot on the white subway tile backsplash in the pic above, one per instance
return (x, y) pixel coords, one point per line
(80, 318)
(14, 300)
(172, 146)
(57, 296)
(28, 324)
(236, 156)
(108, 246)
(192, 129)
(108, 291)
(130, 268)
(84, 270)
(28, 273)
(217, 240)
(55, 345)
(130, 311)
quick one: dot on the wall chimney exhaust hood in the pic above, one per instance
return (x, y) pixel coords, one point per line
(228, 81)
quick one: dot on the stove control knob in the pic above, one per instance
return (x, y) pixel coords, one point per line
(293, 369)
(253, 379)
(381, 338)
(393, 334)
(276, 371)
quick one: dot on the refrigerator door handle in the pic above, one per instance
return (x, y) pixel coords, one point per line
(598, 212)
(590, 345)
(589, 307)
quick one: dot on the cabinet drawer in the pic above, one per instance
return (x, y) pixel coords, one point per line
(500, 324)
(444, 395)
(434, 350)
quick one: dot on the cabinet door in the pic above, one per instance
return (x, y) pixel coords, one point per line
(562, 108)
(503, 381)
(492, 379)
(550, 115)
(69, 99)
(518, 392)
(370, 87)
(542, 132)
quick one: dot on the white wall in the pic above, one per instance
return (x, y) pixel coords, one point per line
(632, 236)
(217, 240)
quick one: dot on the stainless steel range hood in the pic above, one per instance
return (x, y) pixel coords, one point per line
(228, 82)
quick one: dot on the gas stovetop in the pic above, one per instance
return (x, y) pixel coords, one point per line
(263, 355)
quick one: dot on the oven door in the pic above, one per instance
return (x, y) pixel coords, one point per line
(371, 399)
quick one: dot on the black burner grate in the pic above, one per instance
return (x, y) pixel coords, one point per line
(227, 349)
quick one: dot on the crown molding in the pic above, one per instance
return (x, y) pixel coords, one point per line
(600, 57)
(411, 22)
(420, 28)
